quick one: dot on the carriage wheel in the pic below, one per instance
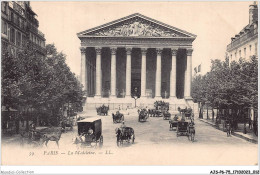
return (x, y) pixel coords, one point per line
(101, 141)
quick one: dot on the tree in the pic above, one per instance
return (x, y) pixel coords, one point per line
(34, 82)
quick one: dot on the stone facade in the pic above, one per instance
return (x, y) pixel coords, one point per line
(136, 55)
(245, 43)
(19, 26)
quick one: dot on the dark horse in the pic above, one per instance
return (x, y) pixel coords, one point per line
(102, 110)
(118, 117)
(143, 115)
(124, 134)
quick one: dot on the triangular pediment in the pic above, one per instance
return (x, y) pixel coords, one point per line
(136, 25)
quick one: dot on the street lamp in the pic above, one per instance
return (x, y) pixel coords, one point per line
(135, 97)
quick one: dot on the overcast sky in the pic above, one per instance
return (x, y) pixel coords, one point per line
(214, 23)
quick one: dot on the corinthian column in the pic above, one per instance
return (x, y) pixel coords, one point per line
(98, 72)
(158, 74)
(113, 73)
(188, 75)
(173, 76)
(83, 69)
(143, 73)
(128, 72)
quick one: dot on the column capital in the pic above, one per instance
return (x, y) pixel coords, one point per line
(143, 50)
(159, 51)
(113, 50)
(189, 52)
(128, 50)
(82, 49)
(98, 50)
(174, 51)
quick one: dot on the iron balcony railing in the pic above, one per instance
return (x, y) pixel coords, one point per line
(242, 38)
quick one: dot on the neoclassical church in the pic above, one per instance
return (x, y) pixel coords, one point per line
(136, 56)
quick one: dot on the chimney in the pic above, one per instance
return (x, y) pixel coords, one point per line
(253, 13)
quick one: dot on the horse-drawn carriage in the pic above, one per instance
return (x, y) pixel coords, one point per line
(89, 131)
(40, 135)
(102, 110)
(125, 134)
(160, 108)
(187, 112)
(118, 117)
(174, 122)
(143, 115)
(166, 115)
(187, 129)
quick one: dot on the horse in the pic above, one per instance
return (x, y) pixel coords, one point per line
(125, 133)
(102, 110)
(118, 117)
(151, 112)
(52, 137)
(143, 115)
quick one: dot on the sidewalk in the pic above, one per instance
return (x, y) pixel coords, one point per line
(250, 136)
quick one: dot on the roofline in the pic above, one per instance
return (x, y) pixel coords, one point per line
(133, 15)
(136, 37)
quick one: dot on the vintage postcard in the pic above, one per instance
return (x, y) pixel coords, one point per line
(129, 83)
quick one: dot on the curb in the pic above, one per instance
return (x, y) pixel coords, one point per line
(234, 133)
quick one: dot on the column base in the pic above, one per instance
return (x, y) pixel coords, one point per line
(143, 98)
(157, 98)
(188, 98)
(97, 96)
(173, 98)
(127, 97)
(112, 97)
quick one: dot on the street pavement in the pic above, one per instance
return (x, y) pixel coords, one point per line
(154, 144)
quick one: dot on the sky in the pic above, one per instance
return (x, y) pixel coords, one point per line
(214, 23)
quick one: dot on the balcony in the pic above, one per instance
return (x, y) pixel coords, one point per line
(244, 37)
(35, 30)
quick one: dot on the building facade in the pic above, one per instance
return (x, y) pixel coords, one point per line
(136, 56)
(19, 25)
(245, 43)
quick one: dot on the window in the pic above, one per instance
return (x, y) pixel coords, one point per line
(12, 16)
(23, 40)
(256, 49)
(12, 35)
(18, 21)
(239, 53)
(231, 57)
(245, 52)
(22, 24)
(4, 6)
(4, 27)
(18, 39)
(235, 55)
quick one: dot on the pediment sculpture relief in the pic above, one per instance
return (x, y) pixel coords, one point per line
(136, 28)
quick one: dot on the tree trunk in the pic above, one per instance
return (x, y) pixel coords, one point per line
(201, 112)
(213, 114)
(207, 112)
(27, 119)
